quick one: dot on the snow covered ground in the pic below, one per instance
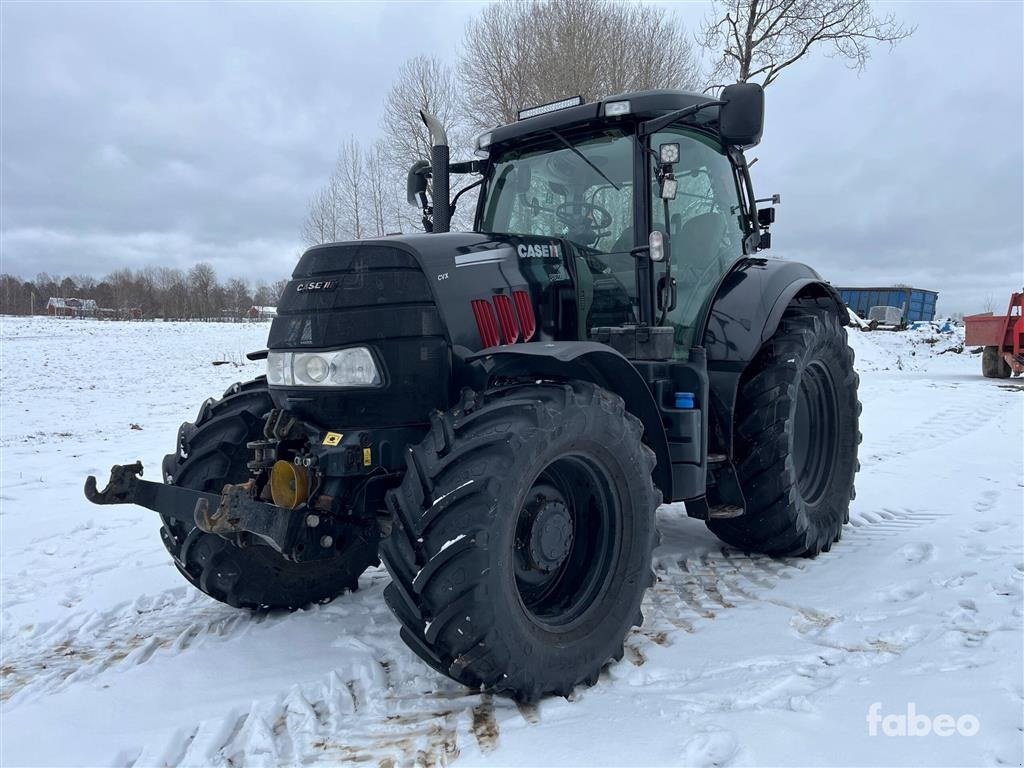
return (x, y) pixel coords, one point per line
(109, 658)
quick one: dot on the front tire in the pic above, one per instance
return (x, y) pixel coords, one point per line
(211, 453)
(796, 438)
(523, 535)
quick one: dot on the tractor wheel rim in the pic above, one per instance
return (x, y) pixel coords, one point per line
(815, 433)
(566, 543)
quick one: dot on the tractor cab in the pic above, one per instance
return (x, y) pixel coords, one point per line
(645, 197)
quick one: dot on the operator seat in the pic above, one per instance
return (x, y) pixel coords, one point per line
(697, 243)
(697, 264)
(625, 242)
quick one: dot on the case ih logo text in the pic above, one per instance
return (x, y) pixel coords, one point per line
(549, 251)
(316, 285)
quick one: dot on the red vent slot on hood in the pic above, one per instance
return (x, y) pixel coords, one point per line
(507, 318)
(524, 308)
(486, 322)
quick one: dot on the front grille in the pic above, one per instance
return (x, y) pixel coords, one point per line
(377, 297)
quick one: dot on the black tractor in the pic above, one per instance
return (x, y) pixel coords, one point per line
(498, 414)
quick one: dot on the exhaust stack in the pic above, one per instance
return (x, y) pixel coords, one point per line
(439, 155)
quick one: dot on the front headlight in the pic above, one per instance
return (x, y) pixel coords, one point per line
(352, 367)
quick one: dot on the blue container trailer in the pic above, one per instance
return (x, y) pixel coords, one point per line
(916, 303)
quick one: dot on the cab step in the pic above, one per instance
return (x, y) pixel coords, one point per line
(724, 511)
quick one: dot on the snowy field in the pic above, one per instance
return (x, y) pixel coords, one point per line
(109, 658)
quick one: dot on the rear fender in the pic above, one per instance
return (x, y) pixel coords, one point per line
(744, 314)
(598, 364)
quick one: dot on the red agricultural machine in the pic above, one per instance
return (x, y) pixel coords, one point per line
(1002, 337)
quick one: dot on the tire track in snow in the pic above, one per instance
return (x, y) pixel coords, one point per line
(692, 588)
(695, 588)
(957, 420)
(700, 587)
(873, 524)
(46, 658)
(390, 710)
(338, 721)
(380, 706)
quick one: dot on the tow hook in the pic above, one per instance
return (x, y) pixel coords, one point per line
(120, 489)
(233, 511)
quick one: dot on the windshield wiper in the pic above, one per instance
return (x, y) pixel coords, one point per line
(581, 156)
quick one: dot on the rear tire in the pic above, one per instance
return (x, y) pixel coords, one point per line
(211, 453)
(993, 366)
(796, 438)
(523, 535)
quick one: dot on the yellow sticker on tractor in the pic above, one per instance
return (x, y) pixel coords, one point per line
(367, 457)
(332, 438)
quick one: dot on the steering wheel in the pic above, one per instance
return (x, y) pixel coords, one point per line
(586, 222)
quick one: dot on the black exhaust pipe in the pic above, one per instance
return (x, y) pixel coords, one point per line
(439, 156)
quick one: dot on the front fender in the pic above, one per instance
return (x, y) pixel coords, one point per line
(750, 303)
(598, 364)
(744, 314)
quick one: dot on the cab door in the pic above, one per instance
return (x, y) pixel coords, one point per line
(706, 226)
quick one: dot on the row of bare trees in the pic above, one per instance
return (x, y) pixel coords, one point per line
(517, 53)
(195, 294)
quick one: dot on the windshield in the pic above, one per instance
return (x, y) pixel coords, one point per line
(579, 189)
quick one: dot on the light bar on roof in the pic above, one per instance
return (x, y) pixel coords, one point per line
(553, 106)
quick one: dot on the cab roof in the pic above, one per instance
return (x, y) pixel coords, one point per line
(644, 105)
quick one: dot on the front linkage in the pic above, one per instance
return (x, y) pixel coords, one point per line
(299, 534)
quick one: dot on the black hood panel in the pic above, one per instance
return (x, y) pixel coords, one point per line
(409, 299)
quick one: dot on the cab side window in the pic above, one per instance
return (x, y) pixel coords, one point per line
(706, 226)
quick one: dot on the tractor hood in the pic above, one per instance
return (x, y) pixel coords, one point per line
(426, 284)
(417, 302)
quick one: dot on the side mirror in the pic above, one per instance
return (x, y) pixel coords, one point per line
(416, 184)
(765, 217)
(741, 117)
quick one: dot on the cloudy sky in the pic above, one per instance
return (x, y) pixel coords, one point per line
(165, 134)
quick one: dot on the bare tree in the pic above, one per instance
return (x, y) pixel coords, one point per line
(238, 298)
(428, 84)
(522, 52)
(377, 184)
(338, 209)
(173, 291)
(277, 290)
(349, 180)
(321, 224)
(121, 282)
(423, 83)
(202, 281)
(757, 39)
(265, 296)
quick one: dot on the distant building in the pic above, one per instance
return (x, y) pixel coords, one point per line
(262, 313)
(58, 307)
(915, 303)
